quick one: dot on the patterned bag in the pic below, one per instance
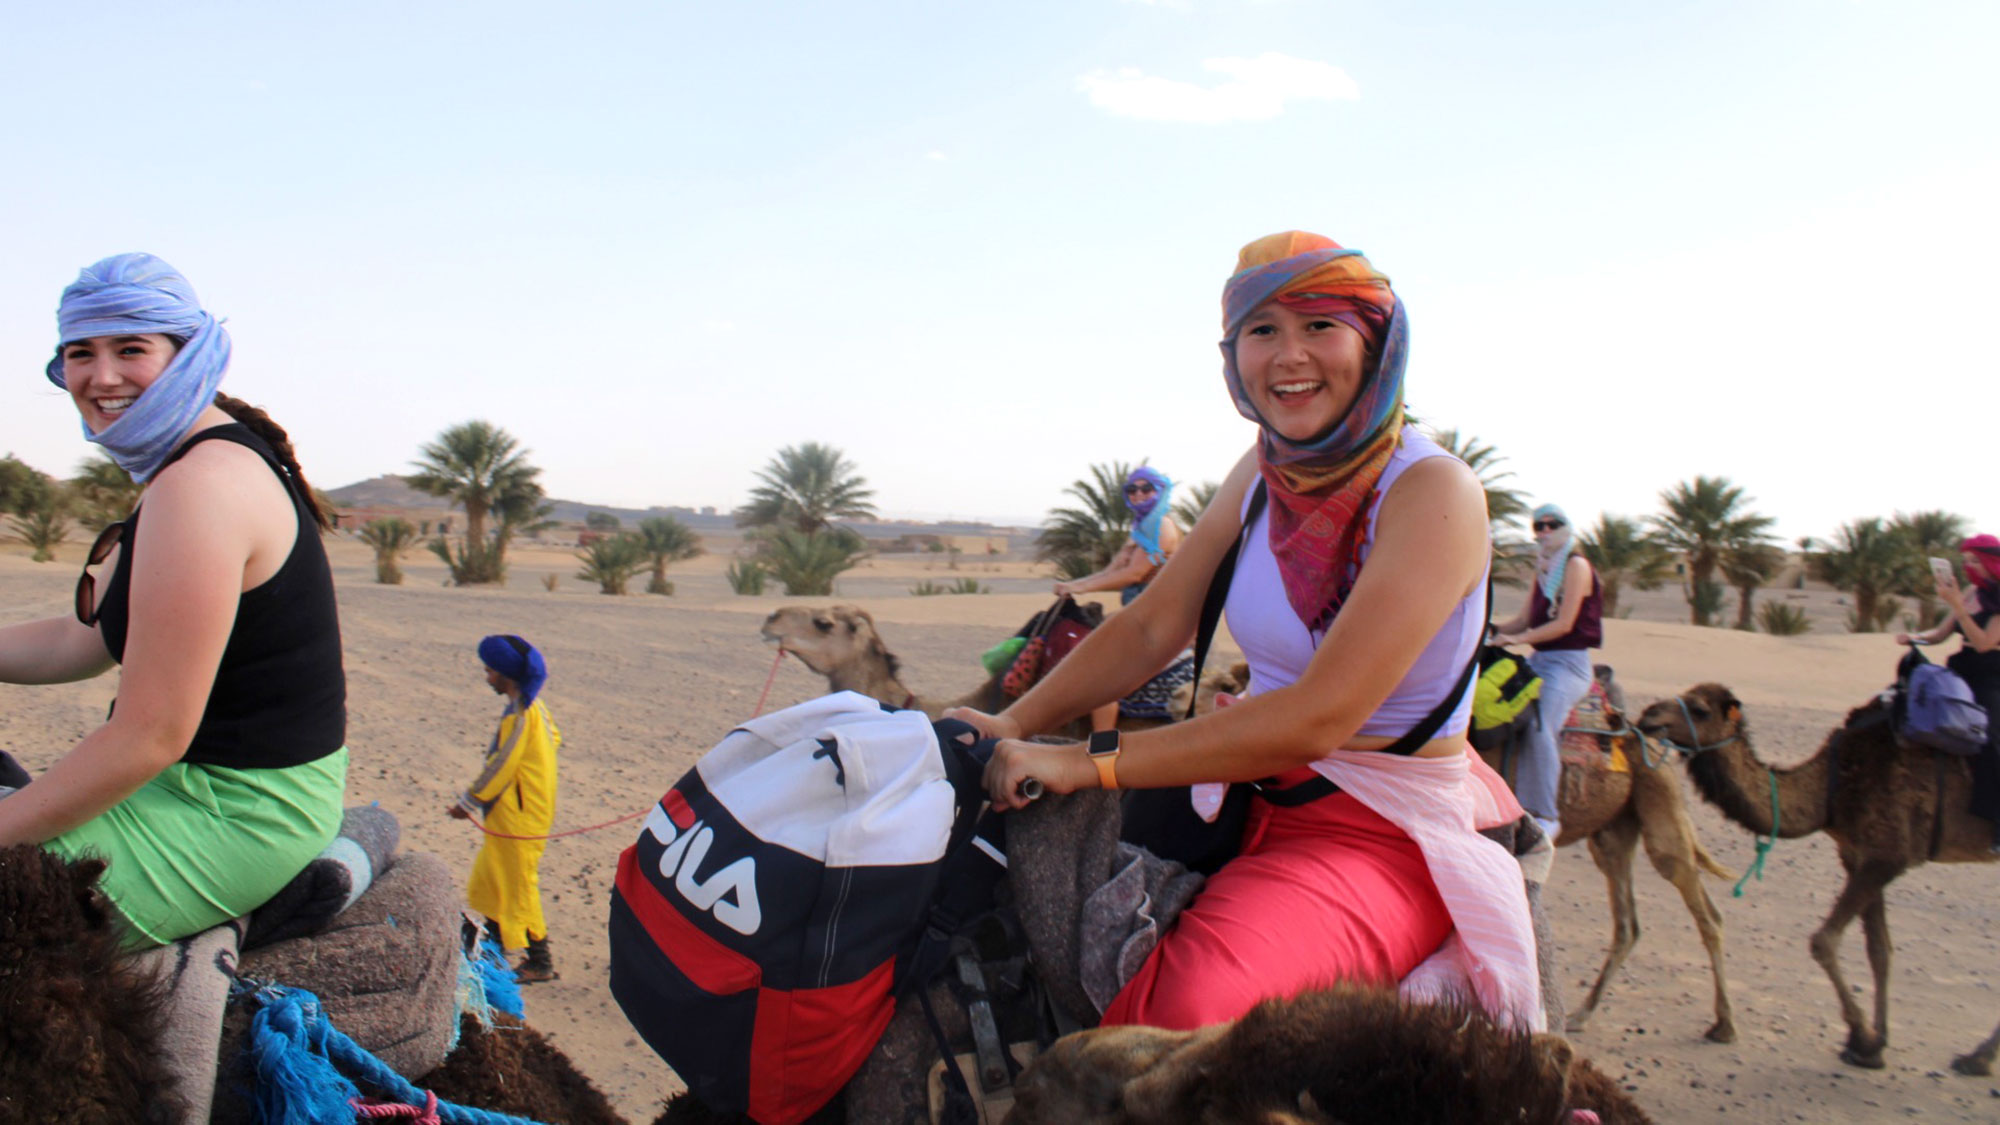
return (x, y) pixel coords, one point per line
(1052, 634)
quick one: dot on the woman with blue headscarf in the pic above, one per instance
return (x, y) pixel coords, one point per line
(1563, 620)
(1152, 540)
(219, 773)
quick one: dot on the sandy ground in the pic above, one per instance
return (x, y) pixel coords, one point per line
(642, 685)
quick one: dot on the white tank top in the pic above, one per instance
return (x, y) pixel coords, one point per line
(1278, 646)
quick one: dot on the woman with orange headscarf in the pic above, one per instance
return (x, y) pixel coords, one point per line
(1359, 602)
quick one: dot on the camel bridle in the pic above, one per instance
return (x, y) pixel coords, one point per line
(1687, 717)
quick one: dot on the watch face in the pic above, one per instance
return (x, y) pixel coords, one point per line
(1103, 742)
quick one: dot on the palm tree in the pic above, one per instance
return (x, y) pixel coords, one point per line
(807, 487)
(808, 564)
(473, 465)
(1504, 506)
(479, 467)
(1866, 559)
(612, 561)
(666, 539)
(1748, 567)
(390, 536)
(1193, 502)
(42, 527)
(1082, 540)
(1619, 549)
(1702, 519)
(101, 493)
(1927, 534)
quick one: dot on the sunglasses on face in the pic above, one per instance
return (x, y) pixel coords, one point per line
(1136, 489)
(1547, 525)
(86, 583)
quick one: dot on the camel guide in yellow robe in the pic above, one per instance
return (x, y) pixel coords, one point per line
(516, 794)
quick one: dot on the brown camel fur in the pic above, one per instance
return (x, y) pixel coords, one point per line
(841, 643)
(1343, 1054)
(1888, 806)
(80, 1024)
(1615, 812)
(509, 1068)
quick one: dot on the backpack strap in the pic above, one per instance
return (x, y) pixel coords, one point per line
(1218, 589)
(1423, 732)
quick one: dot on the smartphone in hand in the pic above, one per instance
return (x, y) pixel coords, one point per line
(1941, 569)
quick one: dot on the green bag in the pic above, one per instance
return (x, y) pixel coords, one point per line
(1504, 690)
(1000, 657)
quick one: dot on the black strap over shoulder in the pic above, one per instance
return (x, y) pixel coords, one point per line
(1218, 589)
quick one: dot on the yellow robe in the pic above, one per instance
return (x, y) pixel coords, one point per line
(516, 791)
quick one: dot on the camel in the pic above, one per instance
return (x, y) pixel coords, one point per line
(841, 643)
(1347, 1053)
(1888, 806)
(83, 1023)
(1614, 810)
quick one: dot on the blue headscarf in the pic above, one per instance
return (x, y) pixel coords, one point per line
(1147, 516)
(517, 660)
(1554, 555)
(135, 295)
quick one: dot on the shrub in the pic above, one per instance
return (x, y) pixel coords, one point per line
(42, 527)
(390, 537)
(551, 581)
(808, 564)
(611, 562)
(1781, 620)
(746, 576)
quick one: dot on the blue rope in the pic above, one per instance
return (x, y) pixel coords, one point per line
(503, 992)
(298, 1054)
(1763, 842)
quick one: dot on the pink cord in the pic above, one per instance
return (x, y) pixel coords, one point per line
(428, 1115)
(768, 681)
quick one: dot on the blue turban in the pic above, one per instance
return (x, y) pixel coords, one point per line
(137, 295)
(517, 660)
(1147, 515)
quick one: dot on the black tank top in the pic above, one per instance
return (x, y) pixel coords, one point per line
(280, 695)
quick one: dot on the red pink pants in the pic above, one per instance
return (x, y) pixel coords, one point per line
(1326, 891)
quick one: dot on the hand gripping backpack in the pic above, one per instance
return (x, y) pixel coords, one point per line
(1936, 708)
(779, 894)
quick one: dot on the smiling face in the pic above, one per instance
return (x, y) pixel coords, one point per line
(1301, 370)
(106, 374)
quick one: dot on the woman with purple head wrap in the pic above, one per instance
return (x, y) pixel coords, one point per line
(1152, 539)
(220, 772)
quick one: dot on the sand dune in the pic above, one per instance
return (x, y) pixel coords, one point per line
(642, 685)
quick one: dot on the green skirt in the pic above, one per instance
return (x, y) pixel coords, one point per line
(199, 845)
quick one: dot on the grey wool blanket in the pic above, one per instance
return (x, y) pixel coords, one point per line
(385, 970)
(333, 881)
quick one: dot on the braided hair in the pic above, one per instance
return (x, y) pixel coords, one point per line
(280, 442)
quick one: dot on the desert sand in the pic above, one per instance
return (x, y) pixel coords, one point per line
(642, 685)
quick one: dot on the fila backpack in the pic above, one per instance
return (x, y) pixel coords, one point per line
(762, 921)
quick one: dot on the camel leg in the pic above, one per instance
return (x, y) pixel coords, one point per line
(1674, 860)
(1864, 885)
(1980, 1062)
(1875, 927)
(1611, 848)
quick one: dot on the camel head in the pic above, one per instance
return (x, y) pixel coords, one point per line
(1234, 679)
(1083, 1078)
(1716, 714)
(830, 639)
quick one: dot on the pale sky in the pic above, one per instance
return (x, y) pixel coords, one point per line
(979, 247)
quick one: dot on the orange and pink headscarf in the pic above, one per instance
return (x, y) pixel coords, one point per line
(1320, 488)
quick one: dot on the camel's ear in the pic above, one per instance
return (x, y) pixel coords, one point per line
(83, 884)
(1731, 707)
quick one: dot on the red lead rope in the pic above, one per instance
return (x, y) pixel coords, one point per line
(768, 681)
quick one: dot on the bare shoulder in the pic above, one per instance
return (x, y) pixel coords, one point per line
(1445, 487)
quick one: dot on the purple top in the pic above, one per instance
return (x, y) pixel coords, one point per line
(1588, 632)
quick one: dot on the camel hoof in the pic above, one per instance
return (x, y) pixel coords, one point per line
(1722, 1033)
(1973, 1065)
(1866, 1060)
